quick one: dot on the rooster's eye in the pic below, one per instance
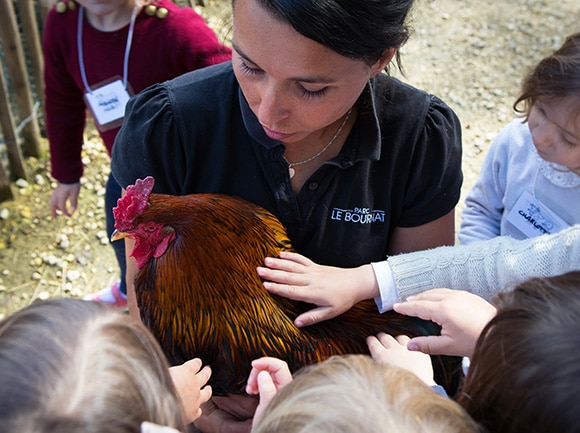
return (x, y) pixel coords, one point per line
(150, 227)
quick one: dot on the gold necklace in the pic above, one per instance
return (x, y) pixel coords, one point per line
(291, 165)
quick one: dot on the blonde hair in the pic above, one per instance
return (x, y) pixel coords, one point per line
(68, 365)
(354, 393)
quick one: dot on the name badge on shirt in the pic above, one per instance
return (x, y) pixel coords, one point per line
(107, 103)
(530, 216)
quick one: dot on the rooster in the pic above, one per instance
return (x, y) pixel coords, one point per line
(199, 293)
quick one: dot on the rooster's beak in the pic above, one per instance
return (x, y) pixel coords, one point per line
(118, 235)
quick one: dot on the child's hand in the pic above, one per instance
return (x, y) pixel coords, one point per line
(268, 375)
(462, 316)
(388, 350)
(190, 381)
(334, 290)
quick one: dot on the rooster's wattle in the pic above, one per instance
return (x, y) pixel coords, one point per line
(199, 293)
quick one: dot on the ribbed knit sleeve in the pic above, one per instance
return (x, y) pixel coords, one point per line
(487, 267)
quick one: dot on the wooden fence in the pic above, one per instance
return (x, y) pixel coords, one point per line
(19, 120)
(22, 87)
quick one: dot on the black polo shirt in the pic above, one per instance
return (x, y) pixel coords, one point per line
(400, 165)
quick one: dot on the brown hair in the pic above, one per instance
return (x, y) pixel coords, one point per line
(68, 365)
(355, 393)
(555, 76)
(525, 370)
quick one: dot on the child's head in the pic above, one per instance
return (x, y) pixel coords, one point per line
(525, 370)
(554, 77)
(77, 366)
(550, 102)
(354, 393)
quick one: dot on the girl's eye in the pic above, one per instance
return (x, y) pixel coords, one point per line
(568, 142)
(313, 93)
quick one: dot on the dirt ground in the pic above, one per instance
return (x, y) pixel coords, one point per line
(470, 53)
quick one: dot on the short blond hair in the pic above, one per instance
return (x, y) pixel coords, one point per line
(78, 366)
(354, 393)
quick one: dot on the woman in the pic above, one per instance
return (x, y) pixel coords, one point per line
(356, 164)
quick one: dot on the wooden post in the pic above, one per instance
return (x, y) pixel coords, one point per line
(33, 47)
(15, 160)
(17, 71)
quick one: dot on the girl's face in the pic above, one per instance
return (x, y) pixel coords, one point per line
(105, 7)
(294, 85)
(555, 128)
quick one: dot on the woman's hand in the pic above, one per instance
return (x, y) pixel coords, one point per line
(462, 316)
(389, 350)
(333, 290)
(64, 195)
(268, 375)
(190, 381)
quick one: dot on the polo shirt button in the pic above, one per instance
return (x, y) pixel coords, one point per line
(312, 186)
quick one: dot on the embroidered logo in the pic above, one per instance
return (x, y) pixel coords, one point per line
(358, 215)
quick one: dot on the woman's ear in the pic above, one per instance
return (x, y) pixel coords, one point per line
(383, 61)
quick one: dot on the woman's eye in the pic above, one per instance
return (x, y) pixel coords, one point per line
(313, 93)
(247, 69)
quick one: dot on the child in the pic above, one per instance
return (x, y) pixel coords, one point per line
(97, 54)
(348, 394)
(530, 180)
(76, 366)
(525, 367)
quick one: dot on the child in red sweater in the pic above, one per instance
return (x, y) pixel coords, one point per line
(97, 54)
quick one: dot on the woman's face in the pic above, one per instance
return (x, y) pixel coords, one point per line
(295, 86)
(555, 128)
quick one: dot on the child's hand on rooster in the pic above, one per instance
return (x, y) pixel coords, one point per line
(389, 350)
(333, 290)
(268, 375)
(190, 380)
(462, 316)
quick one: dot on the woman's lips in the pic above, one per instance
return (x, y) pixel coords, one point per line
(280, 136)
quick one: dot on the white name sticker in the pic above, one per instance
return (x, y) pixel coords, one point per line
(530, 216)
(107, 103)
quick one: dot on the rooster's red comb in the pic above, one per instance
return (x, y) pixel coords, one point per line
(133, 203)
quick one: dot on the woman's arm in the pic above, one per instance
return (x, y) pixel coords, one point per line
(433, 234)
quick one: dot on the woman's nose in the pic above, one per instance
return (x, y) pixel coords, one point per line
(273, 105)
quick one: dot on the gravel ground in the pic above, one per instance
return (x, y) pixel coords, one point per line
(470, 53)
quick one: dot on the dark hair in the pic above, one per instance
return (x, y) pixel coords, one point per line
(557, 75)
(525, 370)
(358, 29)
(68, 365)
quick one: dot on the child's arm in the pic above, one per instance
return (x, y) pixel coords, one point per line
(484, 203)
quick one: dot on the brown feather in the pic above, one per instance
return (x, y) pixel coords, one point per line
(203, 297)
